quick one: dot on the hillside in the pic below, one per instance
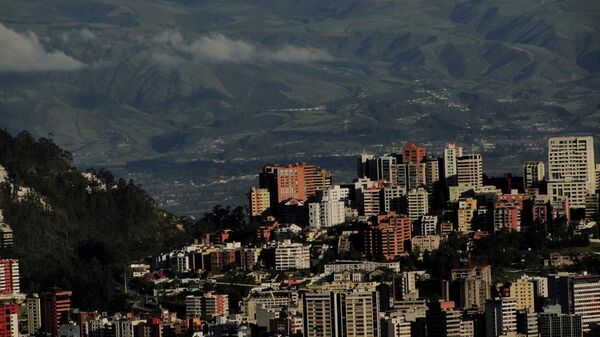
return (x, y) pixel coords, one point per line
(76, 231)
(187, 82)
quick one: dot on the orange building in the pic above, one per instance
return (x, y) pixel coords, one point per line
(388, 237)
(294, 181)
(412, 153)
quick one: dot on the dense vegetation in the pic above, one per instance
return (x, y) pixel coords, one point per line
(74, 232)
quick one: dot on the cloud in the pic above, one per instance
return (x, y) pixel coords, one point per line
(168, 60)
(24, 52)
(169, 37)
(219, 49)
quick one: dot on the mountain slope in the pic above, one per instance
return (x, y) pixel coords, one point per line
(230, 80)
(73, 230)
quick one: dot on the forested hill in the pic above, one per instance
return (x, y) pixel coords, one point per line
(73, 230)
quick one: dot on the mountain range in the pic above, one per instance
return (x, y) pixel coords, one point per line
(188, 96)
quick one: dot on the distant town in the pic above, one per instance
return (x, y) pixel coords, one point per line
(415, 246)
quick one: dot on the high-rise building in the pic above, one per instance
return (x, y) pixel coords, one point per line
(334, 193)
(432, 173)
(367, 167)
(467, 328)
(417, 203)
(443, 320)
(215, 305)
(290, 255)
(371, 200)
(339, 309)
(260, 201)
(34, 314)
(578, 295)
(295, 181)
(412, 153)
(392, 198)
(468, 293)
(527, 324)
(522, 290)
(552, 323)
(55, 306)
(469, 287)
(507, 215)
(6, 234)
(500, 317)
(193, 306)
(330, 208)
(597, 177)
(9, 319)
(571, 168)
(533, 174)
(452, 152)
(427, 226)
(396, 324)
(388, 237)
(9, 277)
(592, 205)
(386, 167)
(316, 179)
(326, 213)
(469, 170)
(467, 207)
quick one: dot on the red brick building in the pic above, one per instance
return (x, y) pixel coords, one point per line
(55, 307)
(389, 237)
(9, 320)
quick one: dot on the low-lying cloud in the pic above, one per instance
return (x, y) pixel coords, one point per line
(219, 48)
(24, 52)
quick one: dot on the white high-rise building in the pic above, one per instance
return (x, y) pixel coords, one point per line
(469, 170)
(427, 225)
(418, 203)
(34, 314)
(290, 255)
(339, 309)
(571, 168)
(451, 152)
(392, 198)
(333, 193)
(326, 213)
(533, 173)
(501, 317)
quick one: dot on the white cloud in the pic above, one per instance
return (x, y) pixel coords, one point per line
(167, 60)
(24, 52)
(169, 37)
(219, 48)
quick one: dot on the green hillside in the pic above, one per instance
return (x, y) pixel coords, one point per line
(75, 232)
